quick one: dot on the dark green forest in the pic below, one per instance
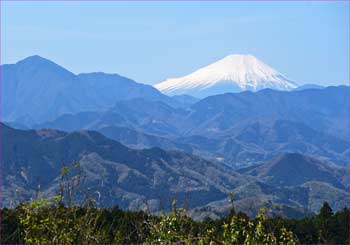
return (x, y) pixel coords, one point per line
(46, 222)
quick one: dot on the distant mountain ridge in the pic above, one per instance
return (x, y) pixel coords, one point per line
(236, 128)
(320, 109)
(325, 109)
(36, 89)
(309, 86)
(233, 73)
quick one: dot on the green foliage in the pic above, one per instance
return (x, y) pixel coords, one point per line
(46, 221)
(235, 231)
(241, 230)
(172, 228)
(50, 221)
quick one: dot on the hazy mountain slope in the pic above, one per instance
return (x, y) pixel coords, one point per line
(33, 85)
(257, 141)
(231, 74)
(153, 117)
(140, 140)
(294, 169)
(261, 140)
(248, 142)
(320, 191)
(186, 100)
(325, 110)
(110, 88)
(36, 90)
(245, 147)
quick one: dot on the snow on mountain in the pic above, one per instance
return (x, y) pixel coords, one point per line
(233, 73)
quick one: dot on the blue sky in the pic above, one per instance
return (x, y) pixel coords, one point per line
(150, 41)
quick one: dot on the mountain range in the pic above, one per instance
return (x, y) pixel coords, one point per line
(238, 129)
(35, 90)
(137, 146)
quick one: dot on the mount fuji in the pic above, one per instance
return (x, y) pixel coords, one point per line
(234, 73)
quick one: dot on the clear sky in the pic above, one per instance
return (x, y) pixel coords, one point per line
(150, 41)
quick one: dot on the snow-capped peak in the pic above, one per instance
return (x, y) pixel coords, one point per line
(231, 74)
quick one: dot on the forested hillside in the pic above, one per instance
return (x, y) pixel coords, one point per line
(72, 216)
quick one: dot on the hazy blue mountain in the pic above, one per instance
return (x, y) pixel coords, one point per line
(309, 86)
(139, 140)
(186, 100)
(325, 110)
(152, 117)
(36, 89)
(109, 88)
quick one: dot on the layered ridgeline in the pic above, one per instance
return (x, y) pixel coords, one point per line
(233, 73)
(36, 89)
(134, 179)
(238, 129)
